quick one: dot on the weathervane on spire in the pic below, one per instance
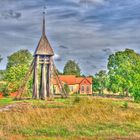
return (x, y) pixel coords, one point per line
(44, 9)
(44, 13)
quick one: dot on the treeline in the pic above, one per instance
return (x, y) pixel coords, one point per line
(122, 75)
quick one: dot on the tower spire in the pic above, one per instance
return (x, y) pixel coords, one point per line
(44, 47)
(43, 28)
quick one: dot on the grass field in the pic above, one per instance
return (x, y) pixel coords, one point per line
(5, 101)
(74, 118)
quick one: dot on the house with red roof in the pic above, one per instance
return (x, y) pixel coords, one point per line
(81, 85)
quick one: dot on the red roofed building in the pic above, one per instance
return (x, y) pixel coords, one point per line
(81, 85)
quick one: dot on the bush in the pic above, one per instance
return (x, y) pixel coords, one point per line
(5, 90)
(125, 105)
(76, 99)
(136, 97)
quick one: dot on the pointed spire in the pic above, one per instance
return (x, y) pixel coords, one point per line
(44, 47)
(43, 28)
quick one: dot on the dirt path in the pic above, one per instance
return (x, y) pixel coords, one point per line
(12, 106)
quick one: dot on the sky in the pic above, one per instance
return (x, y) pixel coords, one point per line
(86, 31)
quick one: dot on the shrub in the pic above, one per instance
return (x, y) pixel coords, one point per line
(76, 99)
(125, 105)
(5, 90)
(136, 97)
(75, 94)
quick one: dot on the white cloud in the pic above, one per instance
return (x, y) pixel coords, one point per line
(57, 57)
(92, 1)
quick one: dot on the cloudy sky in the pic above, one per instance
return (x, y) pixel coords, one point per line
(87, 31)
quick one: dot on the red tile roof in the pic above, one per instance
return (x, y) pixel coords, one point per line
(72, 79)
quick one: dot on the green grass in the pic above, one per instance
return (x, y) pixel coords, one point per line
(56, 103)
(61, 100)
(73, 118)
(5, 101)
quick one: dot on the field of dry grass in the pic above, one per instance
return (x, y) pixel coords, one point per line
(75, 118)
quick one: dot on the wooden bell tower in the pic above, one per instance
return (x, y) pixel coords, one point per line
(42, 70)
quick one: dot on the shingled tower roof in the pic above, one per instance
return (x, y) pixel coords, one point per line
(44, 47)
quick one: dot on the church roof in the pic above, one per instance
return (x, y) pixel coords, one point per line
(44, 47)
(72, 79)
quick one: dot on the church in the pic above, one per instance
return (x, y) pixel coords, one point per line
(77, 85)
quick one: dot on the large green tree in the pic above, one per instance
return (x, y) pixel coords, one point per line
(14, 76)
(99, 81)
(20, 57)
(17, 67)
(124, 70)
(72, 68)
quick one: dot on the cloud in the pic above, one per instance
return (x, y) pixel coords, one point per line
(57, 57)
(88, 34)
(63, 47)
(92, 1)
(11, 14)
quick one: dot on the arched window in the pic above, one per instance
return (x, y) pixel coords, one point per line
(88, 89)
(82, 88)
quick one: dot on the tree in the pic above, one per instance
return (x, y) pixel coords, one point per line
(17, 67)
(124, 70)
(1, 71)
(2, 74)
(18, 58)
(15, 75)
(135, 90)
(99, 81)
(72, 68)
